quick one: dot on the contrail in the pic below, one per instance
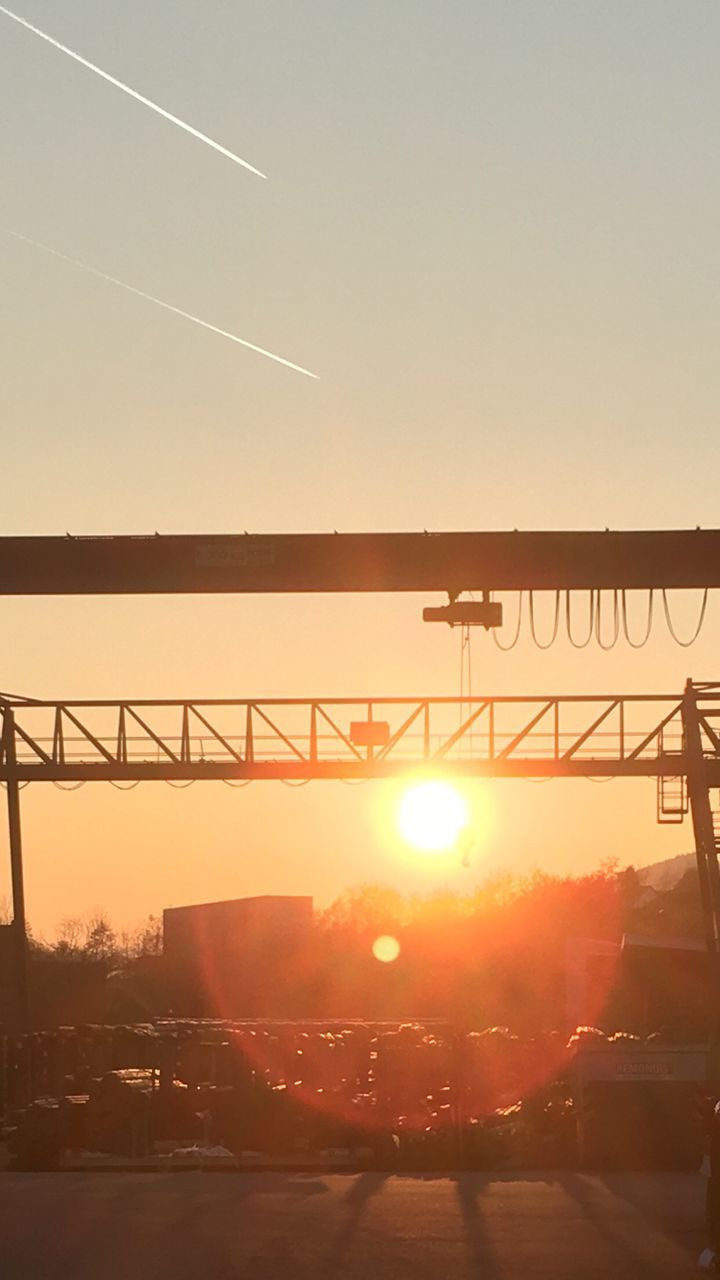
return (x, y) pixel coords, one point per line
(149, 297)
(139, 97)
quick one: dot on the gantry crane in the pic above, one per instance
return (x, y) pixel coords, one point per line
(678, 742)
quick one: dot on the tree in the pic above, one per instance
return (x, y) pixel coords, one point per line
(148, 938)
(100, 939)
(366, 909)
(69, 944)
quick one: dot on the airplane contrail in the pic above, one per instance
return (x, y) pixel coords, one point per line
(149, 297)
(139, 97)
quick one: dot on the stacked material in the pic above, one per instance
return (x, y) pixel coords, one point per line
(36, 1144)
(417, 1094)
(118, 1117)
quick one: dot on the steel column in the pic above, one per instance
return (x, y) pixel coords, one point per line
(704, 832)
(19, 924)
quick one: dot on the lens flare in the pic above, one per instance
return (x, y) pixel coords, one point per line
(432, 815)
(386, 948)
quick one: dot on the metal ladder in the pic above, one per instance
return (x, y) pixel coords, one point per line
(672, 799)
(672, 790)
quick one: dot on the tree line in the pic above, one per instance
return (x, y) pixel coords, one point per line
(494, 956)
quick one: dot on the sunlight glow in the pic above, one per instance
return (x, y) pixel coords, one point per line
(432, 816)
(386, 948)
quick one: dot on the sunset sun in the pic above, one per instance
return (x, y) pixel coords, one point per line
(432, 815)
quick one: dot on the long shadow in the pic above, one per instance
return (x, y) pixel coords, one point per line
(147, 1225)
(362, 1190)
(640, 1191)
(625, 1253)
(468, 1187)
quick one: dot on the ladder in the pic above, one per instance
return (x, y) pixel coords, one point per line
(672, 799)
(672, 789)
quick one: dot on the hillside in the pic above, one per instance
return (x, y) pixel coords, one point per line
(664, 875)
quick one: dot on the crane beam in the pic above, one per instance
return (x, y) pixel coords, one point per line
(360, 562)
(299, 740)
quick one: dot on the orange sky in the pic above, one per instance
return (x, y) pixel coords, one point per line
(132, 852)
(492, 230)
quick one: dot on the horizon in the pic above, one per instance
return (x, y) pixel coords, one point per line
(437, 894)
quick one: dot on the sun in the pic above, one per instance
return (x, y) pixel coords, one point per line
(432, 815)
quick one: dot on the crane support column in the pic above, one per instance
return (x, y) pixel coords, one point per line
(19, 925)
(706, 847)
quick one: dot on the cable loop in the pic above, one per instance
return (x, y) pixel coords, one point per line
(577, 644)
(638, 644)
(598, 622)
(685, 644)
(556, 622)
(507, 647)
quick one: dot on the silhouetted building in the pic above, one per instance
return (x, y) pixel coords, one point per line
(669, 983)
(591, 969)
(643, 982)
(244, 958)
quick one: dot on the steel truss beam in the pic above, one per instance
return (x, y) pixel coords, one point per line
(645, 735)
(356, 562)
(318, 738)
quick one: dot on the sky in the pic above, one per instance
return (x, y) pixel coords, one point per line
(490, 227)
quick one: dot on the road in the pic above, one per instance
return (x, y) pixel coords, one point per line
(369, 1226)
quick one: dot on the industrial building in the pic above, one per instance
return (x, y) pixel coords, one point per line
(242, 958)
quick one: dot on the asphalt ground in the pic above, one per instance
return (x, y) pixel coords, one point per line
(264, 1226)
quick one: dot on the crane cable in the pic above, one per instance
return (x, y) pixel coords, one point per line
(507, 647)
(465, 666)
(465, 693)
(685, 644)
(580, 644)
(606, 646)
(556, 622)
(619, 625)
(638, 644)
